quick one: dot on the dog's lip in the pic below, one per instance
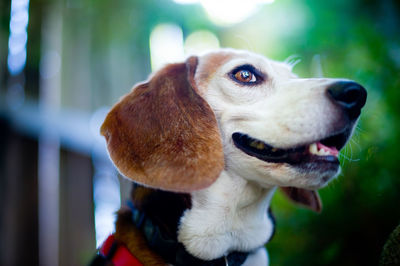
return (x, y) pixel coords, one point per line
(301, 153)
(338, 138)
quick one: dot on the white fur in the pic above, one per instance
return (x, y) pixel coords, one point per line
(257, 258)
(284, 111)
(229, 215)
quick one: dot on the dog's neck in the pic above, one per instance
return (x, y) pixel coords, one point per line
(230, 215)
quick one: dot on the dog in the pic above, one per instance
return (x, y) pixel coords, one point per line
(207, 142)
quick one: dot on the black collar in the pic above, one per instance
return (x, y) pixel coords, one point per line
(173, 251)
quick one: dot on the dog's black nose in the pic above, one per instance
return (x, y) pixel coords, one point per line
(350, 96)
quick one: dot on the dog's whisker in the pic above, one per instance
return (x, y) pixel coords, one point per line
(351, 152)
(359, 129)
(342, 155)
(352, 140)
(292, 60)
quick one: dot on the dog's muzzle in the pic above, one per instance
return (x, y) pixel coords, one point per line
(349, 96)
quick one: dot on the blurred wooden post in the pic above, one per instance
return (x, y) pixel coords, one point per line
(49, 144)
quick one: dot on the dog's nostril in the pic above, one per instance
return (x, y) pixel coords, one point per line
(349, 95)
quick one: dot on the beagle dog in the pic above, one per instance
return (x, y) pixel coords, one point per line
(207, 142)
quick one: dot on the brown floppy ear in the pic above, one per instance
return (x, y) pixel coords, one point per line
(304, 197)
(164, 135)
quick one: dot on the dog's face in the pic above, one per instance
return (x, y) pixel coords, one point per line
(278, 129)
(236, 111)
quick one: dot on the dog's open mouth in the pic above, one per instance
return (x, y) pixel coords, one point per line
(321, 151)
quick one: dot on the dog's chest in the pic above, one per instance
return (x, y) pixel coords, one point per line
(231, 215)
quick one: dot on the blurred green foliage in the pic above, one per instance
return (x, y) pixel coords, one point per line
(359, 40)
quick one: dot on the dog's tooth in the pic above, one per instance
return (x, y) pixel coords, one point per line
(254, 144)
(260, 145)
(313, 149)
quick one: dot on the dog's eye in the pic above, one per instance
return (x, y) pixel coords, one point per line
(245, 76)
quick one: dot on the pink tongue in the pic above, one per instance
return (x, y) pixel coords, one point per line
(332, 150)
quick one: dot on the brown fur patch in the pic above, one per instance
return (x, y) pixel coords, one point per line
(134, 240)
(140, 195)
(164, 135)
(209, 66)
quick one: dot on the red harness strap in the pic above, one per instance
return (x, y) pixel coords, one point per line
(121, 255)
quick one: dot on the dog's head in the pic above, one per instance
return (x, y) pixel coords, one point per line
(237, 111)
